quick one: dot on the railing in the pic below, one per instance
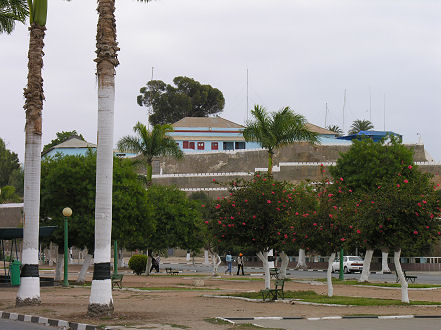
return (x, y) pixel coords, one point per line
(192, 175)
(203, 189)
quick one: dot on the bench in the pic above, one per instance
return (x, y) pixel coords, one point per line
(274, 272)
(408, 278)
(273, 294)
(117, 280)
(171, 271)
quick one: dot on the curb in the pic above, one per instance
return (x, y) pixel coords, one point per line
(380, 317)
(47, 322)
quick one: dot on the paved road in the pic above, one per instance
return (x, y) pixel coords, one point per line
(359, 324)
(19, 325)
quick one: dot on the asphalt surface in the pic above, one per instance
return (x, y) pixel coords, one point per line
(19, 325)
(351, 324)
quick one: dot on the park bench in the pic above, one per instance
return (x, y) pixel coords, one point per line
(171, 271)
(117, 280)
(273, 294)
(274, 272)
(408, 278)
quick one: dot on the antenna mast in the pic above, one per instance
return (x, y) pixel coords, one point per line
(344, 105)
(247, 94)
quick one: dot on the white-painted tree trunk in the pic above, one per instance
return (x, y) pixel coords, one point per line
(49, 255)
(121, 263)
(301, 263)
(271, 264)
(101, 299)
(364, 277)
(206, 261)
(263, 256)
(84, 268)
(187, 258)
(284, 265)
(216, 262)
(402, 279)
(29, 291)
(148, 264)
(329, 275)
(59, 267)
(384, 264)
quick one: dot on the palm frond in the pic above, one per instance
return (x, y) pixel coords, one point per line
(10, 12)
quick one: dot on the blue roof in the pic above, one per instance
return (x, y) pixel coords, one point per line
(375, 135)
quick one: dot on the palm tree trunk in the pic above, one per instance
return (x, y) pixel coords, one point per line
(29, 290)
(101, 301)
(270, 163)
(149, 173)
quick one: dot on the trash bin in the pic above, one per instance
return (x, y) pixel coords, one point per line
(14, 271)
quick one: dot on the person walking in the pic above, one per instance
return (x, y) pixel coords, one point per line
(240, 263)
(229, 260)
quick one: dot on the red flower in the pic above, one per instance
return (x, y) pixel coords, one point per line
(350, 226)
(381, 226)
(268, 201)
(314, 224)
(427, 227)
(358, 231)
(342, 239)
(232, 218)
(214, 180)
(341, 179)
(409, 167)
(218, 206)
(219, 222)
(350, 190)
(246, 200)
(330, 215)
(206, 221)
(203, 205)
(254, 217)
(398, 185)
(406, 181)
(243, 223)
(415, 232)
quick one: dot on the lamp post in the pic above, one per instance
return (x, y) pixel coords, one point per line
(67, 212)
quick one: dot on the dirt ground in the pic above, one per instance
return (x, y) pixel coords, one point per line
(191, 308)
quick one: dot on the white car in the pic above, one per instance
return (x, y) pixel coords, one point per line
(350, 264)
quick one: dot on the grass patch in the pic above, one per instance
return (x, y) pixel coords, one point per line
(385, 285)
(174, 288)
(313, 297)
(179, 326)
(213, 320)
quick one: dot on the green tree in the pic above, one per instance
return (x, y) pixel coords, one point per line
(70, 181)
(364, 168)
(8, 195)
(360, 125)
(8, 164)
(61, 137)
(253, 216)
(188, 98)
(150, 144)
(367, 163)
(10, 12)
(276, 130)
(403, 213)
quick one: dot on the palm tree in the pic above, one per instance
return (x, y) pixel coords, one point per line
(11, 11)
(29, 290)
(360, 125)
(150, 144)
(337, 130)
(276, 130)
(101, 301)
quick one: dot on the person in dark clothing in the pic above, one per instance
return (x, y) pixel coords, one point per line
(155, 265)
(240, 263)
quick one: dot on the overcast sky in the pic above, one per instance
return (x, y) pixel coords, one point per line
(299, 53)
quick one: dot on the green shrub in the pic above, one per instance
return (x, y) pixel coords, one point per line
(137, 263)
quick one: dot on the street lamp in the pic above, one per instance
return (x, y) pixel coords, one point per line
(67, 212)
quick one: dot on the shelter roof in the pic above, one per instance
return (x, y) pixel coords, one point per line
(14, 233)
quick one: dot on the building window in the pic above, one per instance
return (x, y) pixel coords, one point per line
(214, 146)
(191, 145)
(240, 145)
(201, 145)
(228, 146)
(185, 145)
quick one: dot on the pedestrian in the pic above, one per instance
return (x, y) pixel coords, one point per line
(240, 263)
(229, 260)
(155, 264)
